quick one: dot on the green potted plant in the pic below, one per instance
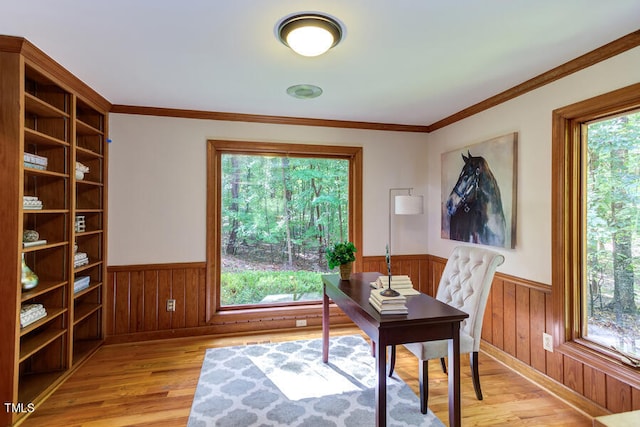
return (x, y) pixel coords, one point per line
(342, 255)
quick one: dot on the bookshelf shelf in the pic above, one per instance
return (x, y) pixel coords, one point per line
(60, 122)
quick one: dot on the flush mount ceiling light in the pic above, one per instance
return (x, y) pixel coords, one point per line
(310, 34)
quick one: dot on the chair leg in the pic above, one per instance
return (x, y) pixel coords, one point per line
(423, 377)
(392, 360)
(475, 374)
(444, 365)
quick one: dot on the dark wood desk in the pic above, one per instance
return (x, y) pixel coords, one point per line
(428, 320)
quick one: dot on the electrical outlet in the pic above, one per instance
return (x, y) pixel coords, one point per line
(171, 305)
(301, 322)
(547, 342)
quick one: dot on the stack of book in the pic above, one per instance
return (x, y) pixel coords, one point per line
(80, 259)
(34, 161)
(81, 282)
(80, 224)
(32, 238)
(401, 284)
(34, 243)
(31, 202)
(388, 305)
(30, 313)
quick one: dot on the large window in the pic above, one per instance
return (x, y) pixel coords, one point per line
(279, 213)
(276, 208)
(596, 224)
(611, 173)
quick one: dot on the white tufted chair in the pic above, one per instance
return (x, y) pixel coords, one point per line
(465, 284)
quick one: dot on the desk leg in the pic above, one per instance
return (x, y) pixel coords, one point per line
(455, 418)
(381, 390)
(325, 325)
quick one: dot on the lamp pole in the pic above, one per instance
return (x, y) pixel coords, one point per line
(391, 292)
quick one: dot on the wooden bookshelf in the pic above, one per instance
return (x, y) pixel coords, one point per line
(61, 121)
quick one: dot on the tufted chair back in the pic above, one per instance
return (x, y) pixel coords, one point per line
(466, 283)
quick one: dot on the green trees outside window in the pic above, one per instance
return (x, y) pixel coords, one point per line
(279, 214)
(612, 224)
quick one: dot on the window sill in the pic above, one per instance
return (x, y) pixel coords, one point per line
(276, 316)
(293, 306)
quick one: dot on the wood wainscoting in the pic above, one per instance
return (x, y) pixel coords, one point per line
(137, 295)
(518, 313)
(415, 266)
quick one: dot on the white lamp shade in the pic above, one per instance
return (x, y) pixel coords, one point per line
(409, 205)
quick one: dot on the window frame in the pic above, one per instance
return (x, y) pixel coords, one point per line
(568, 234)
(215, 149)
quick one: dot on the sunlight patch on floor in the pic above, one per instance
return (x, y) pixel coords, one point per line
(303, 379)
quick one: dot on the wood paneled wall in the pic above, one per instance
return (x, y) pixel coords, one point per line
(518, 313)
(414, 266)
(136, 306)
(137, 294)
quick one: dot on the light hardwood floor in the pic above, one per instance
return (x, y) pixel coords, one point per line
(152, 384)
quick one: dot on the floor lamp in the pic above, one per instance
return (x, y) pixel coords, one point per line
(405, 204)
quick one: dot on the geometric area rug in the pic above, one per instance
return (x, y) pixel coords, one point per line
(287, 384)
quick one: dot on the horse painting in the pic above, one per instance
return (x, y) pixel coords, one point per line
(474, 206)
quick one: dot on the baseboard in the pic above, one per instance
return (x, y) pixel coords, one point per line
(562, 392)
(243, 328)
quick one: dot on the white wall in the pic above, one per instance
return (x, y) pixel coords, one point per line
(530, 116)
(157, 174)
(157, 183)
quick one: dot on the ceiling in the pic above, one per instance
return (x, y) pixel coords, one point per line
(408, 62)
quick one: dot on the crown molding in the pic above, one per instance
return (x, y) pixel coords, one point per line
(593, 57)
(256, 118)
(607, 51)
(46, 65)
